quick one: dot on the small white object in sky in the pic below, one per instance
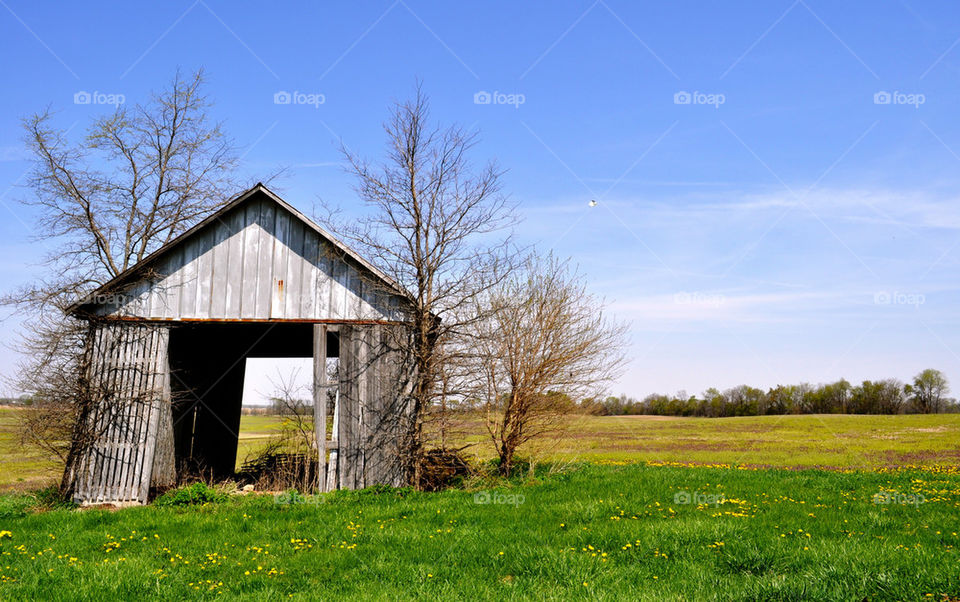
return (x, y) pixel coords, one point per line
(593, 203)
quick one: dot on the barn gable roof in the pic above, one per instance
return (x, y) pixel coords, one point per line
(375, 294)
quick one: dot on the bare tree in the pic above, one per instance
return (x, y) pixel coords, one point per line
(542, 340)
(141, 176)
(929, 391)
(434, 229)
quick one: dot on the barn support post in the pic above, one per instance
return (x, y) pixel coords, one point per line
(333, 468)
(348, 452)
(164, 457)
(320, 402)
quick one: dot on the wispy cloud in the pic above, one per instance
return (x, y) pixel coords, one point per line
(13, 153)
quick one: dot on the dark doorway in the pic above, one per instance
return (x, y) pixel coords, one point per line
(207, 363)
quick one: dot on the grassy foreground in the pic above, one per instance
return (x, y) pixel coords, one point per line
(640, 532)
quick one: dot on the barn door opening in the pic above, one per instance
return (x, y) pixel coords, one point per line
(208, 364)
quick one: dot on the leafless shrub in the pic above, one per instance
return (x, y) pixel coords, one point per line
(543, 341)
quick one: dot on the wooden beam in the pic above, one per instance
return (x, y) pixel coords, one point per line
(320, 401)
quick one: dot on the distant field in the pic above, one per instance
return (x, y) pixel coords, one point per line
(21, 468)
(849, 442)
(255, 431)
(832, 441)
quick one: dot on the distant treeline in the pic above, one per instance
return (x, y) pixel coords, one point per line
(925, 395)
(23, 400)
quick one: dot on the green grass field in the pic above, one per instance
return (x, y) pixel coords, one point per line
(592, 532)
(255, 432)
(609, 515)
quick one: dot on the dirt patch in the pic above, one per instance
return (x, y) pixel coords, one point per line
(732, 446)
(28, 484)
(929, 429)
(921, 457)
(642, 418)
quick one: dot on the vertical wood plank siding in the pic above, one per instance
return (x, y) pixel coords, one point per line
(372, 408)
(130, 385)
(256, 262)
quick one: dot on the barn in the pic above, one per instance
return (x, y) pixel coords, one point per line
(167, 342)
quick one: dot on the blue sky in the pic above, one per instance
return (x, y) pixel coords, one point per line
(796, 220)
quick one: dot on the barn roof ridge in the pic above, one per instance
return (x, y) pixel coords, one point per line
(236, 201)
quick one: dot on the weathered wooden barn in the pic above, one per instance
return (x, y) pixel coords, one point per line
(168, 339)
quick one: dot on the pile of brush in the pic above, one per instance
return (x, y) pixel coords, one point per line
(442, 468)
(274, 470)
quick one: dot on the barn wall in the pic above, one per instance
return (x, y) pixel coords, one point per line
(129, 388)
(372, 408)
(257, 261)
